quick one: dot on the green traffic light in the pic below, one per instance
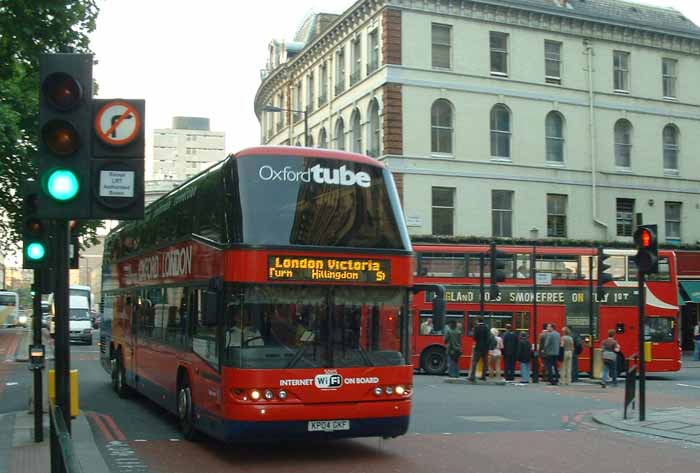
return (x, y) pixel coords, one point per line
(36, 251)
(63, 185)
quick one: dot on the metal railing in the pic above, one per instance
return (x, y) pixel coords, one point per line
(63, 459)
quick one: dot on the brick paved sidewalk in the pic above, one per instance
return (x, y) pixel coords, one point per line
(677, 423)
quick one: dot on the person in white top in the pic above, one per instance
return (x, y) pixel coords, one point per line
(241, 332)
(495, 355)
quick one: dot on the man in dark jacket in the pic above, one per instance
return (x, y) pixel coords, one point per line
(510, 346)
(481, 337)
(524, 356)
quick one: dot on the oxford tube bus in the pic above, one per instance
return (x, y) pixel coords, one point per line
(9, 308)
(561, 297)
(267, 297)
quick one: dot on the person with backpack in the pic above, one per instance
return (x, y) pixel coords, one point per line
(481, 349)
(523, 354)
(453, 346)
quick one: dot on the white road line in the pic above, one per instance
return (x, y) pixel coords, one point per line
(688, 385)
(11, 384)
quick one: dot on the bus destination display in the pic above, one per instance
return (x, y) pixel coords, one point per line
(323, 269)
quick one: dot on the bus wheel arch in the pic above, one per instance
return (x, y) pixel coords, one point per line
(433, 359)
(185, 405)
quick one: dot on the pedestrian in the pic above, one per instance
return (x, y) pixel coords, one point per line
(510, 347)
(540, 353)
(495, 354)
(610, 350)
(578, 349)
(453, 346)
(552, 345)
(524, 356)
(696, 341)
(567, 343)
(481, 348)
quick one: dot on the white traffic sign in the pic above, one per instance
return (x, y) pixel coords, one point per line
(117, 123)
(117, 183)
(543, 279)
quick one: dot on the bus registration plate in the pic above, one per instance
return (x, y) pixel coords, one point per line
(328, 425)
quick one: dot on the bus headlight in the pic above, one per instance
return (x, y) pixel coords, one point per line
(23, 320)
(269, 395)
(378, 391)
(389, 390)
(400, 390)
(282, 394)
(255, 394)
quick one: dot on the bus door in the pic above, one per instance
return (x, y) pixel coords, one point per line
(206, 383)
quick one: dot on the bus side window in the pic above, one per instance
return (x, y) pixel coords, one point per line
(204, 338)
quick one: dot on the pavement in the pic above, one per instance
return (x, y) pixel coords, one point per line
(19, 453)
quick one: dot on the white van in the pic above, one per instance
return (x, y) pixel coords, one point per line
(80, 323)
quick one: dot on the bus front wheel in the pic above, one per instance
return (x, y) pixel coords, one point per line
(434, 360)
(118, 375)
(184, 410)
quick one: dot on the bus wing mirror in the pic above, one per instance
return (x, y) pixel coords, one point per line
(438, 301)
(211, 305)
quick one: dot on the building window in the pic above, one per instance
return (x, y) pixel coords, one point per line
(502, 213)
(623, 144)
(552, 62)
(443, 210)
(374, 129)
(669, 71)
(322, 139)
(372, 51)
(356, 62)
(323, 85)
(442, 45)
(556, 215)
(554, 131)
(499, 53)
(310, 92)
(339, 135)
(340, 72)
(671, 149)
(297, 103)
(673, 220)
(280, 118)
(500, 131)
(356, 132)
(441, 127)
(625, 217)
(621, 70)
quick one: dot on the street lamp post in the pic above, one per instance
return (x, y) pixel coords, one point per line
(272, 108)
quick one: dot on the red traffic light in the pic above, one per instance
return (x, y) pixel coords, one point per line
(646, 238)
(34, 226)
(62, 91)
(61, 137)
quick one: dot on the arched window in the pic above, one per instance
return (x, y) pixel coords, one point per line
(298, 143)
(310, 141)
(623, 143)
(322, 139)
(339, 135)
(356, 132)
(500, 131)
(554, 135)
(441, 127)
(671, 148)
(374, 129)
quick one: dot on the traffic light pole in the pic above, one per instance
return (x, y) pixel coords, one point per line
(38, 388)
(590, 317)
(642, 360)
(536, 367)
(61, 297)
(481, 285)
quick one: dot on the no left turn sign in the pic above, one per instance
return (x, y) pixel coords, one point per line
(118, 123)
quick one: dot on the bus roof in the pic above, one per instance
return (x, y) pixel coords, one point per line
(312, 152)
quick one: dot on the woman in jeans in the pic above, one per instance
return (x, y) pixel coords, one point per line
(610, 350)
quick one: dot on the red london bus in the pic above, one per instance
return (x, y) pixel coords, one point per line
(267, 297)
(562, 297)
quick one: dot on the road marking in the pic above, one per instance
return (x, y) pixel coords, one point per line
(688, 385)
(485, 419)
(118, 434)
(12, 383)
(101, 425)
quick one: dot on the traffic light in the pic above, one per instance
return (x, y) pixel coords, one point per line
(65, 105)
(36, 251)
(647, 257)
(117, 167)
(497, 269)
(603, 275)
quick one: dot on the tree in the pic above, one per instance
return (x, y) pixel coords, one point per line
(29, 28)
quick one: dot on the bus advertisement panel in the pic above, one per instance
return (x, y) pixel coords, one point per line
(563, 297)
(268, 297)
(9, 308)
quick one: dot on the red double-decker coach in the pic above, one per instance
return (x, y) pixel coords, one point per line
(267, 297)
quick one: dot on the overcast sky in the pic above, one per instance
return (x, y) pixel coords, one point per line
(204, 58)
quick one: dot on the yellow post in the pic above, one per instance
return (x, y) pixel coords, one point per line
(597, 363)
(647, 351)
(74, 391)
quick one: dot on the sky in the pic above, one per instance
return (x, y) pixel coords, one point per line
(204, 58)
